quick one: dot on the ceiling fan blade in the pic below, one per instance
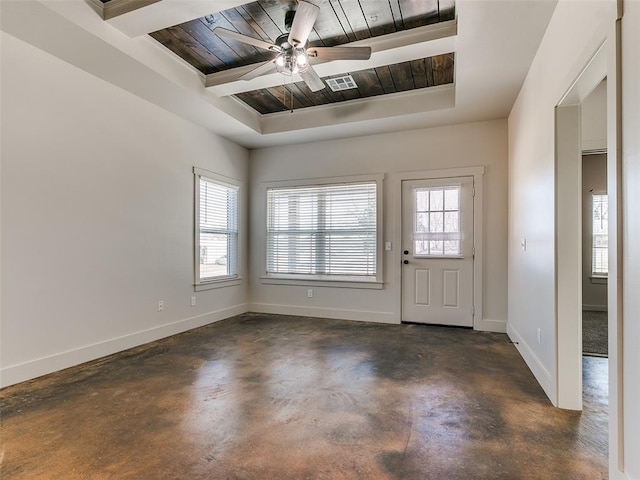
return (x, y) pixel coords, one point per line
(312, 79)
(303, 21)
(223, 32)
(328, 54)
(263, 69)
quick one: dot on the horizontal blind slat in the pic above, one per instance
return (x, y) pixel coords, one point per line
(326, 229)
(218, 229)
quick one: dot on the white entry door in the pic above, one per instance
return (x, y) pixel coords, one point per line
(437, 251)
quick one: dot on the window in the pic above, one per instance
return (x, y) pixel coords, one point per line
(437, 222)
(600, 232)
(216, 239)
(324, 231)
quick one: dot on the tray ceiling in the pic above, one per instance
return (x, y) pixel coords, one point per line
(339, 22)
(400, 77)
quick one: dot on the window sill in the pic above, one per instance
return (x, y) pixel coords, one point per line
(212, 284)
(599, 279)
(308, 281)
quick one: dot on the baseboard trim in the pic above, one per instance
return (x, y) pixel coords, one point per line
(42, 366)
(338, 314)
(542, 375)
(490, 325)
(595, 308)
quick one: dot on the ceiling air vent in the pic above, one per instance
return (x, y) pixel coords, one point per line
(341, 83)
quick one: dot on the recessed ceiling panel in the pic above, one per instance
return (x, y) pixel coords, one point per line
(400, 77)
(339, 22)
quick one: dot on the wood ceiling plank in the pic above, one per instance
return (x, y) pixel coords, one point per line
(260, 33)
(251, 100)
(342, 18)
(262, 101)
(419, 71)
(429, 70)
(368, 83)
(443, 68)
(397, 14)
(175, 39)
(356, 19)
(335, 96)
(321, 97)
(257, 13)
(243, 51)
(417, 13)
(242, 26)
(301, 100)
(201, 33)
(214, 43)
(282, 94)
(386, 80)
(402, 76)
(329, 28)
(379, 17)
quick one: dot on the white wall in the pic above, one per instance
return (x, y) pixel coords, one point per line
(428, 149)
(574, 34)
(594, 119)
(631, 234)
(97, 217)
(594, 180)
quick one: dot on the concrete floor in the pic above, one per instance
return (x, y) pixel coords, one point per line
(277, 397)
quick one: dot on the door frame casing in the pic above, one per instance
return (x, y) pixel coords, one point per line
(478, 181)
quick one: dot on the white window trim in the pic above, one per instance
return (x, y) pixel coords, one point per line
(329, 280)
(219, 282)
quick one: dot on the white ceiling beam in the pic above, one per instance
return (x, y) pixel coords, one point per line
(383, 106)
(397, 47)
(140, 17)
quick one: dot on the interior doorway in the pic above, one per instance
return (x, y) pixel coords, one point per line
(570, 137)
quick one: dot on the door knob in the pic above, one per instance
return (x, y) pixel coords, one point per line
(406, 252)
(406, 262)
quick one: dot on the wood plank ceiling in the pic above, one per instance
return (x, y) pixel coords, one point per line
(339, 22)
(399, 77)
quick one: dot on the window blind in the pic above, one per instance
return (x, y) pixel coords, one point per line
(600, 231)
(218, 230)
(324, 230)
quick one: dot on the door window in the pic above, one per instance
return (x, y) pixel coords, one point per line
(436, 231)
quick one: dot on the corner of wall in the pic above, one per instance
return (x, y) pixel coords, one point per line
(543, 376)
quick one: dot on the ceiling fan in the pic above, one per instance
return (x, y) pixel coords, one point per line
(292, 53)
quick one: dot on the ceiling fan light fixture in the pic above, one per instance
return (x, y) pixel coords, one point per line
(301, 59)
(292, 61)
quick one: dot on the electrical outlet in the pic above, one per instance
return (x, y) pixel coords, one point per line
(523, 244)
(539, 336)
(310, 293)
(193, 300)
(160, 305)
(387, 246)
